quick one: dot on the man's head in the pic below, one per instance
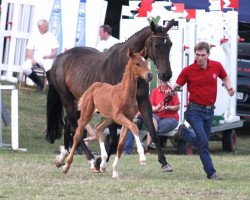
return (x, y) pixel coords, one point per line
(202, 52)
(43, 26)
(104, 32)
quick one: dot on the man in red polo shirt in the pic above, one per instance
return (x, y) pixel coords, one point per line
(201, 80)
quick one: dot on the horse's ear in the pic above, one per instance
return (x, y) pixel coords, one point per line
(143, 52)
(152, 26)
(130, 53)
(170, 24)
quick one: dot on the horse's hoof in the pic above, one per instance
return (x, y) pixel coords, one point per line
(57, 162)
(102, 169)
(143, 162)
(94, 170)
(115, 175)
(167, 168)
(66, 168)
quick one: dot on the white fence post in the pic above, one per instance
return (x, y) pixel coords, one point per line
(14, 119)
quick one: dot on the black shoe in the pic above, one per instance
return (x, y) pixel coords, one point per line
(215, 177)
(177, 135)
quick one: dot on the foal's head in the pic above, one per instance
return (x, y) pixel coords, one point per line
(140, 65)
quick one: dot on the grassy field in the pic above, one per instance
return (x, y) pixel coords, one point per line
(32, 174)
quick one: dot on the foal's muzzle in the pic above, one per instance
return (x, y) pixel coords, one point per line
(149, 76)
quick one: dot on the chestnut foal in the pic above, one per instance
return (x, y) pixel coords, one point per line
(116, 103)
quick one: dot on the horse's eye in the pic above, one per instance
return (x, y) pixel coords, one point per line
(138, 64)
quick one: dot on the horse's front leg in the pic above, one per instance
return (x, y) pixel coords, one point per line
(146, 110)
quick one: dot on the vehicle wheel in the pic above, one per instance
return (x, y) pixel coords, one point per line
(229, 140)
(184, 148)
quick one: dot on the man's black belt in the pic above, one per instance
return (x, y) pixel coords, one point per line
(202, 106)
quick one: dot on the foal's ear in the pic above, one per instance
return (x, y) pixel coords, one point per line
(143, 52)
(130, 53)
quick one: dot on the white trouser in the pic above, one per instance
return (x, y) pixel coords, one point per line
(44, 63)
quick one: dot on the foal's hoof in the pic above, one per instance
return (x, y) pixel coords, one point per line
(66, 168)
(167, 168)
(57, 162)
(143, 162)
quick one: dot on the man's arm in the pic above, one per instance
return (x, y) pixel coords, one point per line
(227, 83)
(29, 55)
(52, 55)
(176, 87)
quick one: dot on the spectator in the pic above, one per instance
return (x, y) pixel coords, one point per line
(41, 49)
(106, 38)
(201, 80)
(165, 118)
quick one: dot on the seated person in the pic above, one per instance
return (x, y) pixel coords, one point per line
(40, 51)
(165, 118)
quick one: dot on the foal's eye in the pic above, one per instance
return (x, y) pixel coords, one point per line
(138, 64)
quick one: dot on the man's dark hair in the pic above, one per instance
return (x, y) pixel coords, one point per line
(202, 45)
(107, 29)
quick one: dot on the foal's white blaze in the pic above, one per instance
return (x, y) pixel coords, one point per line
(140, 150)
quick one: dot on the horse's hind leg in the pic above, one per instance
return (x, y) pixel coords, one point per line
(60, 159)
(83, 121)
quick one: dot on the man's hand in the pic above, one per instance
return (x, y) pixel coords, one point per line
(46, 57)
(231, 91)
(33, 61)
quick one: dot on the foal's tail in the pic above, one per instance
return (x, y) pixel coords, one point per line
(54, 115)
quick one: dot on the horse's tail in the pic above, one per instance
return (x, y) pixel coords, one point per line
(55, 121)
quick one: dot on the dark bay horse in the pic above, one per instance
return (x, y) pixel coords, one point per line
(76, 69)
(116, 103)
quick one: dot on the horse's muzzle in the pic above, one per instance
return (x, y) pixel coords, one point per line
(149, 76)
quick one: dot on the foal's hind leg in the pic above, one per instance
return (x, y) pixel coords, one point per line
(100, 129)
(120, 147)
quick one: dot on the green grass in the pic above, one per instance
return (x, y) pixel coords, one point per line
(32, 175)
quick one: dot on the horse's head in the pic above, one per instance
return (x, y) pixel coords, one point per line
(158, 47)
(140, 65)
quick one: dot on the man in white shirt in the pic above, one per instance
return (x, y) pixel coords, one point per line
(41, 49)
(106, 38)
